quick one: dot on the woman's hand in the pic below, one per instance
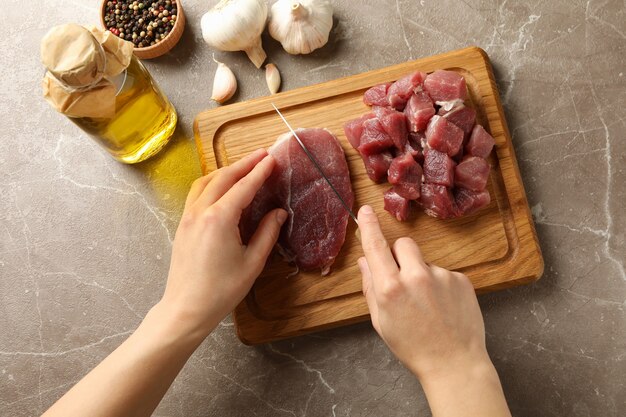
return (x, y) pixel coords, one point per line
(211, 270)
(430, 319)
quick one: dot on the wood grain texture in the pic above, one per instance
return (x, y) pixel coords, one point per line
(496, 247)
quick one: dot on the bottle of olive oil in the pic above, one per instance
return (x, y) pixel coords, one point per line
(95, 80)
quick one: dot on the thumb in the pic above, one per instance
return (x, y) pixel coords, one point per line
(261, 244)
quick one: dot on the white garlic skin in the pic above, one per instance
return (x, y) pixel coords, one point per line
(236, 25)
(224, 83)
(301, 26)
(272, 77)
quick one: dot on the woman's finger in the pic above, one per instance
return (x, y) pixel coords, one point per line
(261, 244)
(196, 189)
(368, 292)
(228, 176)
(375, 246)
(408, 254)
(243, 191)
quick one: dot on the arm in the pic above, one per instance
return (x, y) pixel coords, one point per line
(430, 319)
(210, 273)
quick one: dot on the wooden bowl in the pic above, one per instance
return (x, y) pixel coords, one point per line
(166, 44)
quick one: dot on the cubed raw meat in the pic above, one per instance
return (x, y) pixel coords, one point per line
(472, 173)
(414, 146)
(444, 136)
(406, 174)
(394, 124)
(468, 201)
(377, 165)
(377, 96)
(480, 143)
(374, 138)
(419, 109)
(400, 91)
(437, 201)
(354, 129)
(462, 117)
(396, 205)
(444, 85)
(438, 168)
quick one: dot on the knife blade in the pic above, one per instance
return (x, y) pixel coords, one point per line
(317, 166)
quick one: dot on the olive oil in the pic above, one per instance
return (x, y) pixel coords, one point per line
(144, 119)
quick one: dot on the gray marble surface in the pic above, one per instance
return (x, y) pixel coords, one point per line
(85, 241)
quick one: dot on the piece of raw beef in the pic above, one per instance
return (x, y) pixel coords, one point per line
(468, 201)
(374, 138)
(444, 136)
(472, 173)
(444, 85)
(354, 129)
(377, 165)
(316, 227)
(377, 95)
(400, 91)
(438, 168)
(463, 117)
(437, 201)
(396, 205)
(480, 143)
(406, 175)
(419, 109)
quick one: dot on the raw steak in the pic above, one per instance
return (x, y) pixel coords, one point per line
(354, 129)
(374, 138)
(406, 175)
(472, 173)
(480, 143)
(400, 91)
(444, 136)
(444, 85)
(437, 201)
(396, 205)
(316, 227)
(468, 201)
(419, 109)
(377, 165)
(377, 96)
(438, 168)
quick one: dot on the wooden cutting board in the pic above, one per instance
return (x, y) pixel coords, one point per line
(496, 247)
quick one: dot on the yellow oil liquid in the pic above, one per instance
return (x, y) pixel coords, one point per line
(144, 118)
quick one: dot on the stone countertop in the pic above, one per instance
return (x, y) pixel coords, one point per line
(85, 241)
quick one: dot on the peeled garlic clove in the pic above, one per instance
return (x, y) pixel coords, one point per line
(301, 26)
(272, 76)
(224, 83)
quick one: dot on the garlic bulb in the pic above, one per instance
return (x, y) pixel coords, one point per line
(272, 76)
(224, 83)
(236, 25)
(301, 26)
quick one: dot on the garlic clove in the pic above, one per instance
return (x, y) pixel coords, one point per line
(301, 26)
(272, 76)
(224, 83)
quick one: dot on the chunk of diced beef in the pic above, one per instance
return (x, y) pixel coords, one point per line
(463, 117)
(444, 85)
(406, 174)
(354, 129)
(480, 142)
(438, 168)
(377, 95)
(472, 173)
(414, 146)
(396, 205)
(400, 91)
(374, 138)
(468, 201)
(419, 109)
(377, 165)
(438, 201)
(444, 136)
(394, 123)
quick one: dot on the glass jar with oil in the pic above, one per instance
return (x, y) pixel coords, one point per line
(96, 81)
